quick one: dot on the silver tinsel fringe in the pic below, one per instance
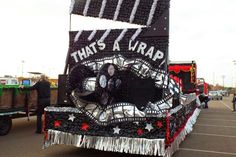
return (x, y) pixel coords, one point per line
(122, 144)
(187, 129)
(114, 144)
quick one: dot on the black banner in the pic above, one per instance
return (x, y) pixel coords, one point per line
(154, 50)
(143, 12)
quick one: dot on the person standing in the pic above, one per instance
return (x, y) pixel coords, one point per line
(206, 99)
(234, 102)
(43, 91)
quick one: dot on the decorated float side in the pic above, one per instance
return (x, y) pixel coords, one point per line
(116, 93)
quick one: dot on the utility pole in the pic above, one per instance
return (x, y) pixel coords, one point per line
(223, 77)
(213, 79)
(22, 68)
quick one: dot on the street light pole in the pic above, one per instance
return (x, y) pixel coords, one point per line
(234, 61)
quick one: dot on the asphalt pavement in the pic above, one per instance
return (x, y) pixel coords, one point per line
(214, 135)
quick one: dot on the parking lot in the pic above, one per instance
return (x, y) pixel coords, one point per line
(214, 135)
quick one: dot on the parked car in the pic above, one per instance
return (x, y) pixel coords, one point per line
(225, 93)
(215, 95)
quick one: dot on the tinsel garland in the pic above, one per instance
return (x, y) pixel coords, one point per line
(115, 144)
(174, 146)
(122, 144)
(15, 89)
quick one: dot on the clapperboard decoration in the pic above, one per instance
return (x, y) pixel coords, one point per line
(121, 74)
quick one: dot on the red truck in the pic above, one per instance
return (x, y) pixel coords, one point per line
(186, 72)
(202, 86)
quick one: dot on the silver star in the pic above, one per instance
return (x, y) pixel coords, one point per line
(71, 117)
(116, 130)
(149, 127)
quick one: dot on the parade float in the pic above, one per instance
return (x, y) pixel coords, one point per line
(116, 93)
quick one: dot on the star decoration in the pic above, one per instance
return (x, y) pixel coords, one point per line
(149, 127)
(84, 127)
(71, 117)
(116, 130)
(140, 131)
(159, 124)
(57, 124)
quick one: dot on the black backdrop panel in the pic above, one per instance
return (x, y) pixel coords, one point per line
(142, 47)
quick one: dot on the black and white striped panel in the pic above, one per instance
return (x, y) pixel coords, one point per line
(81, 39)
(174, 88)
(142, 12)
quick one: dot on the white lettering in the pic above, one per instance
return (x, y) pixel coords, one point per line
(150, 52)
(137, 47)
(132, 48)
(82, 54)
(158, 55)
(101, 45)
(88, 51)
(116, 46)
(141, 48)
(74, 56)
(92, 45)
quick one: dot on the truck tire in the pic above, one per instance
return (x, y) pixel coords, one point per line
(5, 125)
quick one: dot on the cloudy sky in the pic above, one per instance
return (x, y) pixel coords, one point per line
(34, 36)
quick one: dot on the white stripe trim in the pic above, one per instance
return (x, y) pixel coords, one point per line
(132, 16)
(104, 2)
(117, 10)
(152, 11)
(207, 151)
(72, 6)
(122, 34)
(138, 31)
(86, 7)
(77, 36)
(91, 36)
(114, 18)
(105, 35)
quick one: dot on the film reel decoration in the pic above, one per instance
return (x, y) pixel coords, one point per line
(108, 84)
(109, 107)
